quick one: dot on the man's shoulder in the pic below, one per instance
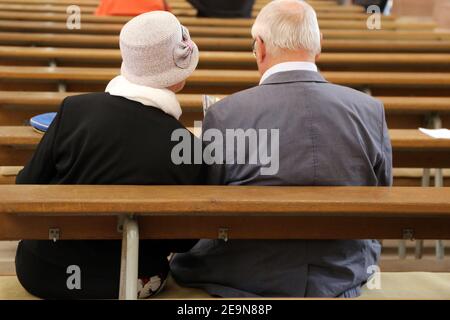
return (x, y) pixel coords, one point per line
(236, 100)
(254, 98)
(347, 93)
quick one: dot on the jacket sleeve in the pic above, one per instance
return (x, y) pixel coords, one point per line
(383, 169)
(41, 169)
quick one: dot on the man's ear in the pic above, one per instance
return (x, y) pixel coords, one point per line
(261, 52)
(321, 43)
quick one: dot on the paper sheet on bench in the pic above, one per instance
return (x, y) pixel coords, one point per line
(437, 133)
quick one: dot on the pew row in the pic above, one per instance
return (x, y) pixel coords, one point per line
(319, 6)
(402, 178)
(328, 29)
(17, 107)
(88, 14)
(323, 13)
(238, 212)
(221, 44)
(179, 3)
(411, 148)
(209, 81)
(12, 55)
(245, 24)
(193, 102)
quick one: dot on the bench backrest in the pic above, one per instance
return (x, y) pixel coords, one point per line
(171, 212)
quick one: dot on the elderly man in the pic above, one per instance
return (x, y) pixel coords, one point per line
(329, 135)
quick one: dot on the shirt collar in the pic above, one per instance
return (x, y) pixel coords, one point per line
(289, 66)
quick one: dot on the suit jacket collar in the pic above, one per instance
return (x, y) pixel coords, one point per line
(294, 76)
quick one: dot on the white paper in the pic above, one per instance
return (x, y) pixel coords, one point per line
(437, 133)
(208, 101)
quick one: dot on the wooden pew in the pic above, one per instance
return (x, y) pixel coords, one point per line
(190, 13)
(22, 13)
(88, 11)
(224, 212)
(328, 33)
(193, 102)
(402, 178)
(16, 108)
(326, 6)
(374, 206)
(190, 22)
(14, 55)
(186, 11)
(220, 44)
(207, 81)
(412, 149)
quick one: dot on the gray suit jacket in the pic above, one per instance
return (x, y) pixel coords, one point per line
(329, 135)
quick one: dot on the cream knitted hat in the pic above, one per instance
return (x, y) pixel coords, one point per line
(157, 50)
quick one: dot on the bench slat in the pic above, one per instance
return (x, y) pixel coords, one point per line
(89, 212)
(231, 201)
(240, 44)
(411, 148)
(229, 77)
(240, 226)
(193, 102)
(221, 58)
(245, 24)
(88, 13)
(331, 33)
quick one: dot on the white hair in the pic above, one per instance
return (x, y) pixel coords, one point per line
(288, 24)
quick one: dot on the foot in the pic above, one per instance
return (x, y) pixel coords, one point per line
(149, 287)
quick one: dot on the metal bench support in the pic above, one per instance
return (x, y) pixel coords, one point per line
(130, 258)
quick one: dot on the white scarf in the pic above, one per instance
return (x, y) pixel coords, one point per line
(163, 99)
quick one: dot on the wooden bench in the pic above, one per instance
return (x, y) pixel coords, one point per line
(166, 212)
(328, 33)
(318, 5)
(81, 57)
(87, 12)
(16, 108)
(211, 81)
(190, 22)
(220, 44)
(403, 177)
(323, 13)
(411, 148)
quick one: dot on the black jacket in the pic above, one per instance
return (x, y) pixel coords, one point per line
(102, 139)
(224, 8)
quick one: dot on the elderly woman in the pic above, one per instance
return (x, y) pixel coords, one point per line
(120, 137)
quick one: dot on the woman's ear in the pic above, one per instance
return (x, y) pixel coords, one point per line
(177, 87)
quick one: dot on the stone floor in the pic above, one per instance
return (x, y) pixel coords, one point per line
(389, 261)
